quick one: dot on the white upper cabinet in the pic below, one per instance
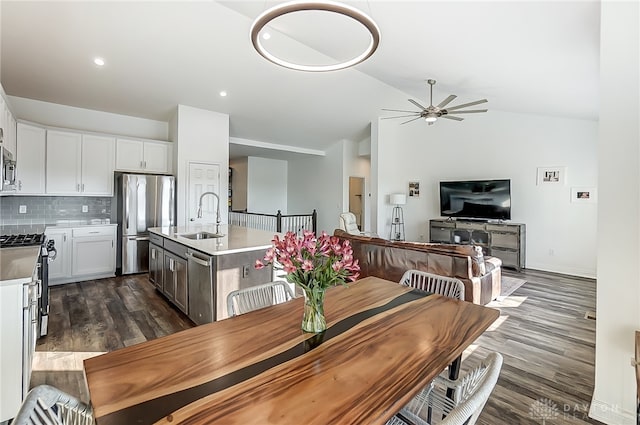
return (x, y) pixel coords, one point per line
(64, 158)
(31, 157)
(98, 163)
(79, 164)
(8, 125)
(143, 156)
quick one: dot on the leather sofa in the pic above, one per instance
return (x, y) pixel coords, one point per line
(389, 260)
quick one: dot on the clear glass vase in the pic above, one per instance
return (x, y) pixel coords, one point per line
(313, 319)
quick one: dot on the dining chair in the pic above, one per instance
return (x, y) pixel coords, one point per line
(256, 297)
(470, 394)
(443, 285)
(47, 405)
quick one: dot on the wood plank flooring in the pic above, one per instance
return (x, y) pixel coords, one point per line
(547, 344)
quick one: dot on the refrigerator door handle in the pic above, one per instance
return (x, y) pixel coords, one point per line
(140, 238)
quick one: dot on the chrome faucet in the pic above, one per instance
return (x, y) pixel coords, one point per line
(217, 208)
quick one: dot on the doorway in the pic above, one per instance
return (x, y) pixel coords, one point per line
(356, 201)
(204, 177)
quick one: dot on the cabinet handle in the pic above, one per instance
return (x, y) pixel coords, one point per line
(64, 237)
(171, 264)
(141, 164)
(153, 254)
(111, 244)
(145, 164)
(78, 187)
(20, 185)
(83, 187)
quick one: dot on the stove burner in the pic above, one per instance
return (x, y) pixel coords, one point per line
(32, 239)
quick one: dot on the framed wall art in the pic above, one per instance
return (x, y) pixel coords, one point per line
(414, 189)
(552, 175)
(588, 195)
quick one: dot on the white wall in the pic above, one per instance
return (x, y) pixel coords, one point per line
(202, 136)
(57, 115)
(618, 290)
(491, 146)
(266, 185)
(318, 183)
(239, 183)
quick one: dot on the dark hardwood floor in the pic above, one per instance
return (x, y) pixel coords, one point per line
(547, 343)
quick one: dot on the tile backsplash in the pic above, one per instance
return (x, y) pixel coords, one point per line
(50, 209)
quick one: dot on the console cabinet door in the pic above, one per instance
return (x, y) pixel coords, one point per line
(156, 157)
(129, 155)
(168, 278)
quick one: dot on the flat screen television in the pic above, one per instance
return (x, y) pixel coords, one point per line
(476, 199)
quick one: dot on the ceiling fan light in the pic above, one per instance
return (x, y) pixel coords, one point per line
(431, 118)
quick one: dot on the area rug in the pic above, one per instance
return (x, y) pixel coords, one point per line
(509, 285)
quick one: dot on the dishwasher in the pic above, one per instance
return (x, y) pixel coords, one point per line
(201, 290)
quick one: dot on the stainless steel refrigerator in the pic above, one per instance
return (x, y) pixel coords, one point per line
(143, 201)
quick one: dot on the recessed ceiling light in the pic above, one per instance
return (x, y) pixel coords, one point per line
(266, 35)
(223, 93)
(99, 61)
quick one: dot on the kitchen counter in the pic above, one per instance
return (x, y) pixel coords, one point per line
(17, 264)
(235, 239)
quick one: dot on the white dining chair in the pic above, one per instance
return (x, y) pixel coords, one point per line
(443, 285)
(256, 297)
(47, 405)
(349, 224)
(470, 394)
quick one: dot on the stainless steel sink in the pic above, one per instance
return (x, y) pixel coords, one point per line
(201, 235)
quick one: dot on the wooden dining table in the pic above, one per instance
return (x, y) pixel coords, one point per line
(383, 343)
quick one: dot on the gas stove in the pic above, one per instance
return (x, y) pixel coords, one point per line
(31, 239)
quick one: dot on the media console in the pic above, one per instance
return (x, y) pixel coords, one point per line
(503, 240)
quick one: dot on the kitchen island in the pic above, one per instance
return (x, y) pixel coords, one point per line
(197, 266)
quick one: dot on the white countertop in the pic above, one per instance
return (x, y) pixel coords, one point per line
(17, 264)
(235, 239)
(75, 225)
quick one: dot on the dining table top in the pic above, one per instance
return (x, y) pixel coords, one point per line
(383, 343)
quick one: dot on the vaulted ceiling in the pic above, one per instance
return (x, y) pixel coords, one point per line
(523, 56)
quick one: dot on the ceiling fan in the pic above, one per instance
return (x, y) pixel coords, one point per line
(432, 113)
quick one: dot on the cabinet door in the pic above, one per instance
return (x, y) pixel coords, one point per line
(93, 255)
(181, 288)
(61, 266)
(98, 162)
(30, 156)
(129, 155)
(156, 157)
(156, 259)
(64, 156)
(169, 280)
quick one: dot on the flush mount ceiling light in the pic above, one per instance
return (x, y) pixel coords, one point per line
(98, 61)
(325, 6)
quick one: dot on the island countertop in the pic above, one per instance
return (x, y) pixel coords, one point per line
(235, 238)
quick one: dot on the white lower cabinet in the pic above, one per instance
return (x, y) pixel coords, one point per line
(87, 252)
(60, 267)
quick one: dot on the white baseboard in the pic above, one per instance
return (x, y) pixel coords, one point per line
(590, 274)
(610, 415)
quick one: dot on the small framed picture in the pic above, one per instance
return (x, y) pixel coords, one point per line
(552, 175)
(414, 189)
(588, 195)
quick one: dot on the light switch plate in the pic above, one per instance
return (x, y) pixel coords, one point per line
(23, 209)
(85, 208)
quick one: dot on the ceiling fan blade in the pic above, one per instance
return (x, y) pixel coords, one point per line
(446, 101)
(410, 120)
(417, 104)
(468, 112)
(464, 105)
(450, 117)
(400, 110)
(402, 116)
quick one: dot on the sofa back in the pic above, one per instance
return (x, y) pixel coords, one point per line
(389, 260)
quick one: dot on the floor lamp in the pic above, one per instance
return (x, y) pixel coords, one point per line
(397, 217)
